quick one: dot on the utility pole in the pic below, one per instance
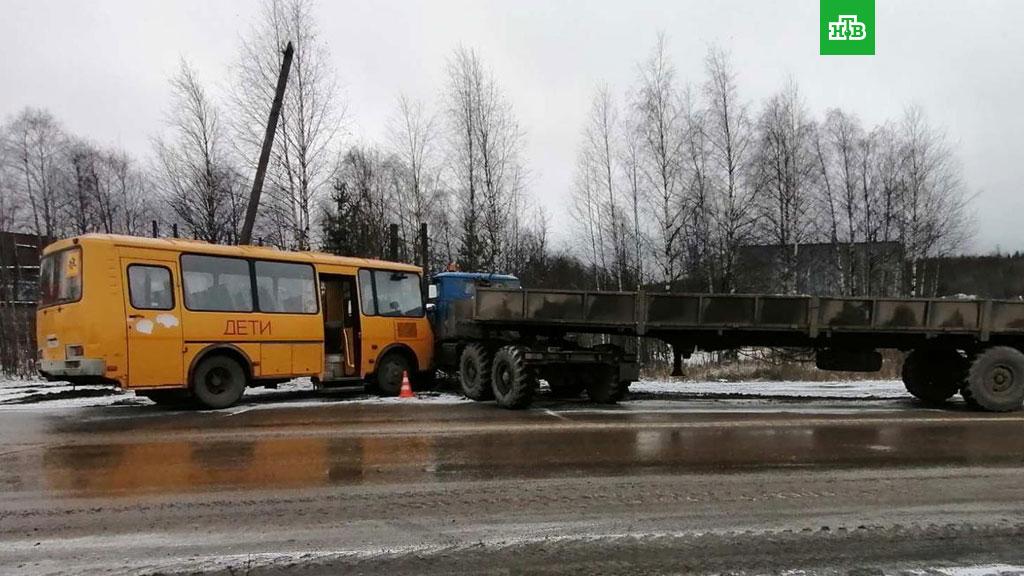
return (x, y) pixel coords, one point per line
(268, 144)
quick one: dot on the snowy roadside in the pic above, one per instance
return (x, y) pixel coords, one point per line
(22, 395)
(853, 389)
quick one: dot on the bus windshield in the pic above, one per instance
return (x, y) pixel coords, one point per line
(60, 277)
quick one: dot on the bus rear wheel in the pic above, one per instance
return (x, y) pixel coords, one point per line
(218, 382)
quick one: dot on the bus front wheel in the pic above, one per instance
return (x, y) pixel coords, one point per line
(390, 370)
(218, 382)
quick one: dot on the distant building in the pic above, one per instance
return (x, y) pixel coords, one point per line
(19, 278)
(19, 267)
(981, 276)
(822, 268)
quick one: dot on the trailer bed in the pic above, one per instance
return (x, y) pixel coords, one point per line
(725, 320)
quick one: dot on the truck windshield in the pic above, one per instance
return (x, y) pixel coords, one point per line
(60, 277)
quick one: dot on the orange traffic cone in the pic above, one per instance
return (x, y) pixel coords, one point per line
(406, 387)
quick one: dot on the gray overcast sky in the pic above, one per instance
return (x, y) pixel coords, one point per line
(102, 67)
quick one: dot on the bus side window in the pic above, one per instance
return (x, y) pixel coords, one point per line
(149, 287)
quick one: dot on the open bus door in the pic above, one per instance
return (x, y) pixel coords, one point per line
(341, 326)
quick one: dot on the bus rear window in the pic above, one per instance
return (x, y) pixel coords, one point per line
(60, 277)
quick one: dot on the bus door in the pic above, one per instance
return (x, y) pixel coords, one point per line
(154, 323)
(341, 326)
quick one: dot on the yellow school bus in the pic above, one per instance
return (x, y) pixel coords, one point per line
(174, 319)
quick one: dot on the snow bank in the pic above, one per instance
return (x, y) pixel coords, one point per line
(873, 389)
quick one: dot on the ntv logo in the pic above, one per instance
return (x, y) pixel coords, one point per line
(847, 28)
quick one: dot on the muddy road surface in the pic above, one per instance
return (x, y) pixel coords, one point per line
(651, 486)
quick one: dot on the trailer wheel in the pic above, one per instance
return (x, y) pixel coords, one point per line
(933, 376)
(218, 382)
(475, 373)
(512, 380)
(603, 385)
(996, 380)
(564, 385)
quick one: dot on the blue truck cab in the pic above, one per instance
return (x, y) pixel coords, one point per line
(449, 287)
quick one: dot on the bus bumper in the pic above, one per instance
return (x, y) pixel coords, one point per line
(71, 368)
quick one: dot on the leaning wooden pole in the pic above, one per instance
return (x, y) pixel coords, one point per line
(268, 144)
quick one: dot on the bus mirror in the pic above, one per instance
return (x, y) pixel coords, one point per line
(432, 292)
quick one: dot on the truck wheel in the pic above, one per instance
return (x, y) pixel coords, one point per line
(564, 385)
(426, 380)
(995, 381)
(218, 382)
(388, 376)
(475, 373)
(933, 376)
(512, 380)
(603, 386)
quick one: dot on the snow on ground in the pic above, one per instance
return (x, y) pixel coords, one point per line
(863, 389)
(26, 394)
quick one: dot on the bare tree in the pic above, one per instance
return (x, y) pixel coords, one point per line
(194, 171)
(661, 127)
(484, 155)
(300, 163)
(126, 186)
(10, 208)
(463, 101)
(599, 156)
(935, 217)
(698, 236)
(784, 165)
(413, 135)
(35, 150)
(81, 180)
(730, 137)
(630, 166)
(586, 212)
(843, 133)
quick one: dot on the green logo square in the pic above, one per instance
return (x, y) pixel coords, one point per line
(847, 27)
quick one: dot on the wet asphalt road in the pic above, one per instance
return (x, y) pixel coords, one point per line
(418, 487)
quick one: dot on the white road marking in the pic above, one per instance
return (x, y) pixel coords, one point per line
(558, 415)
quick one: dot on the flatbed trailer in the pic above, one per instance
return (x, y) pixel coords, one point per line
(954, 345)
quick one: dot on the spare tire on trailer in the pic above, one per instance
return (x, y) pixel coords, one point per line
(603, 385)
(934, 376)
(512, 381)
(475, 373)
(563, 384)
(995, 381)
